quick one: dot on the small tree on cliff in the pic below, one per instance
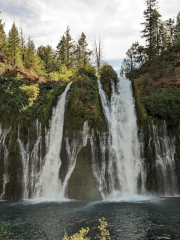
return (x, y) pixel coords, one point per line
(82, 53)
(98, 53)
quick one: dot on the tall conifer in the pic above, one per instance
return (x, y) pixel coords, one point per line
(14, 45)
(151, 27)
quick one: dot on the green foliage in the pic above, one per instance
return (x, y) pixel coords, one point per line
(27, 102)
(46, 54)
(84, 99)
(107, 74)
(32, 92)
(164, 104)
(3, 230)
(2, 38)
(65, 49)
(62, 75)
(82, 54)
(104, 233)
(151, 27)
(14, 45)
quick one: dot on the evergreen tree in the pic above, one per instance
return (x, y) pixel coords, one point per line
(177, 28)
(2, 38)
(65, 49)
(69, 47)
(170, 28)
(23, 46)
(14, 45)
(46, 54)
(61, 50)
(82, 53)
(122, 71)
(151, 27)
(30, 54)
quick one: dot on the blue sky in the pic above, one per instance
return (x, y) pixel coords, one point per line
(116, 22)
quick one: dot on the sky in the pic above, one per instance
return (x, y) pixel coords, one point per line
(116, 22)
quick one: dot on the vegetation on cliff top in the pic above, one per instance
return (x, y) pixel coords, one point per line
(31, 79)
(155, 68)
(107, 74)
(84, 100)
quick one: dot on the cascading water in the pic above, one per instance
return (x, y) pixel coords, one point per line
(119, 164)
(31, 157)
(165, 159)
(49, 185)
(72, 152)
(124, 162)
(3, 134)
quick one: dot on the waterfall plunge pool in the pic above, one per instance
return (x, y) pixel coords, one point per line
(156, 218)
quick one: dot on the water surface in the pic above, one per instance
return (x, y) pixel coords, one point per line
(152, 219)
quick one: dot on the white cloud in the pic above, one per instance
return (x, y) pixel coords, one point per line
(117, 22)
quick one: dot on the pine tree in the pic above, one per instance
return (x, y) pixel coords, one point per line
(61, 50)
(14, 45)
(170, 28)
(2, 38)
(30, 54)
(177, 28)
(46, 54)
(151, 27)
(65, 49)
(82, 53)
(23, 46)
(70, 48)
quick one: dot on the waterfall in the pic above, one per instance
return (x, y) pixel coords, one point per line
(31, 157)
(72, 152)
(165, 159)
(49, 185)
(4, 148)
(124, 162)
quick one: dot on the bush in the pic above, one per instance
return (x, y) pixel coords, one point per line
(104, 233)
(164, 104)
(87, 71)
(63, 75)
(32, 92)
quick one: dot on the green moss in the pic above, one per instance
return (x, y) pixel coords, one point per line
(84, 103)
(107, 74)
(82, 183)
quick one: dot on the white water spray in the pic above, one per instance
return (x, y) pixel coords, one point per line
(6, 176)
(125, 164)
(49, 186)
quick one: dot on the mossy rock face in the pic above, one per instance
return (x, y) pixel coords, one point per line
(107, 74)
(82, 183)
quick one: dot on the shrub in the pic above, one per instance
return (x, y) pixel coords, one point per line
(32, 92)
(104, 233)
(164, 104)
